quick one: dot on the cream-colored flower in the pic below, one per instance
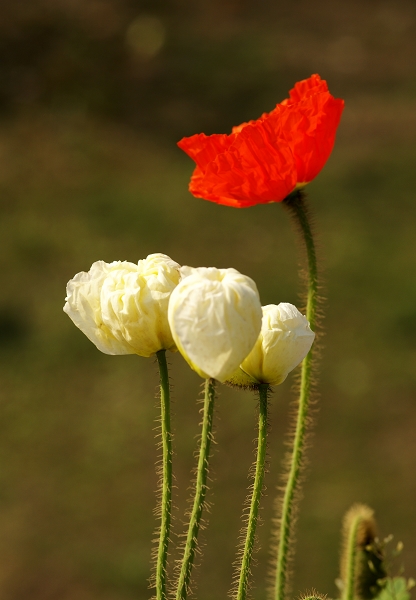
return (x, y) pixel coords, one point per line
(215, 318)
(284, 341)
(122, 307)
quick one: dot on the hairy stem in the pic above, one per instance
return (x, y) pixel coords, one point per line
(243, 582)
(350, 559)
(200, 492)
(166, 504)
(297, 207)
(363, 569)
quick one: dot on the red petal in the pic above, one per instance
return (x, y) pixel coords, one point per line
(263, 160)
(257, 168)
(310, 131)
(305, 88)
(204, 148)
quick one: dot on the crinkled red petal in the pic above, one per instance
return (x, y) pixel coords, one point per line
(310, 127)
(204, 148)
(257, 168)
(262, 161)
(305, 88)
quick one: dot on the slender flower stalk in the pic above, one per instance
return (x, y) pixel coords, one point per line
(244, 572)
(200, 492)
(166, 483)
(297, 207)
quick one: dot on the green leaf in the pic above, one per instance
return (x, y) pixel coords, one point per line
(396, 588)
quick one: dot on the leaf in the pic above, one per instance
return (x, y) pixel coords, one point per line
(396, 588)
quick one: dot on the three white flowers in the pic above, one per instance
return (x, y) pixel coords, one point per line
(212, 316)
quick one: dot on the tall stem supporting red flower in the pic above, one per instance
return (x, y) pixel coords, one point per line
(296, 204)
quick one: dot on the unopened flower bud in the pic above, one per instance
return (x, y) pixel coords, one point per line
(122, 307)
(215, 318)
(284, 341)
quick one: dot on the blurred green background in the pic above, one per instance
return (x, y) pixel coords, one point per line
(94, 95)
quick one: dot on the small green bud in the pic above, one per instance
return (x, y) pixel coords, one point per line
(362, 557)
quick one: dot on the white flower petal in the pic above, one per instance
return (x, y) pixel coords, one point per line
(284, 341)
(122, 307)
(215, 318)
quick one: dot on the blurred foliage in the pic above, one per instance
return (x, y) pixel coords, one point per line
(396, 588)
(93, 96)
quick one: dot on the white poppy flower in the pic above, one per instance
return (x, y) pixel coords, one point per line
(122, 307)
(284, 341)
(215, 318)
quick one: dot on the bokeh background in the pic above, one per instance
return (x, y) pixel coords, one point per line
(94, 95)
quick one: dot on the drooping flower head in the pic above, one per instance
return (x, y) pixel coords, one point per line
(215, 318)
(284, 341)
(265, 160)
(122, 306)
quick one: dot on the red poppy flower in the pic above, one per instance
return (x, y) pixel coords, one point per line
(267, 159)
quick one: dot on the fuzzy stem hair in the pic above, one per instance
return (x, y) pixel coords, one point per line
(313, 595)
(296, 204)
(243, 574)
(166, 483)
(200, 493)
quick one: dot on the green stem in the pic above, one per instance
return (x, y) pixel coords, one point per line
(200, 492)
(363, 570)
(256, 495)
(297, 207)
(166, 506)
(350, 558)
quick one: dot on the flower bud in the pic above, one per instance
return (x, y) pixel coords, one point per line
(284, 341)
(122, 307)
(215, 318)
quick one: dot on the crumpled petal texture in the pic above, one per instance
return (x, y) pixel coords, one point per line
(265, 160)
(215, 317)
(284, 341)
(122, 307)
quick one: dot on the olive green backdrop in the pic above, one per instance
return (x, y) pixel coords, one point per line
(94, 95)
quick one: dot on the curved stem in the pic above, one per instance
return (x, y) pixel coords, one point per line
(297, 207)
(200, 492)
(166, 504)
(256, 495)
